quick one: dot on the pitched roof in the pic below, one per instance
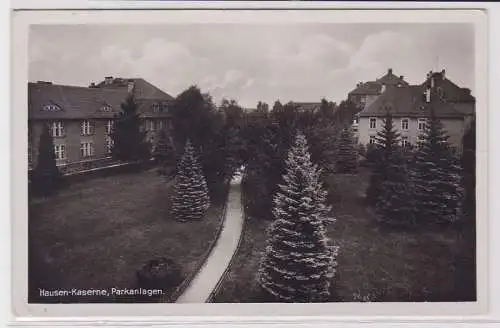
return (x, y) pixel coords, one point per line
(409, 101)
(142, 88)
(73, 101)
(390, 79)
(452, 92)
(367, 88)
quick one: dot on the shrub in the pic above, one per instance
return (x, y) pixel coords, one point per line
(161, 273)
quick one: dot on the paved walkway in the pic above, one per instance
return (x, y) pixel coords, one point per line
(207, 278)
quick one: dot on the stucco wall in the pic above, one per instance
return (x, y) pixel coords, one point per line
(454, 128)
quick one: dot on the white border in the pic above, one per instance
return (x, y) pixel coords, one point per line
(19, 79)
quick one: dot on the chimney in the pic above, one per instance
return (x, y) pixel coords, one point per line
(429, 74)
(428, 95)
(130, 86)
(389, 71)
(108, 80)
(401, 77)
(92, 85)
(443, 74)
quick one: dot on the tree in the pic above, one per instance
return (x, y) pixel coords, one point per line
(164, 154)
(298, 263)
(128, 140)
(347, 156)
(190, 200)
(387, 143)
(469, 166)
(436, 176)
(46, 178)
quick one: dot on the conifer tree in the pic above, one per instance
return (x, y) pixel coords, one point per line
(298, 264)
(191, 199)
(129, 142)
(164, 154)
(347, 156)
(436, 176)
(387, 143)
(46, 178)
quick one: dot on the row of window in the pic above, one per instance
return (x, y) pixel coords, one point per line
(405, 141)
(88, 127)
(405, 123)
(87, 149)
(56, 108)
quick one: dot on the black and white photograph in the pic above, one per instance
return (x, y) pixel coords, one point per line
(235, 162)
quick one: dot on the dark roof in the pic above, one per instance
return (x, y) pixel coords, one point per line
(367, 88)
(142, 88)
(74, 102)
(452, 92)
(375, 87)
(391, 79)
(410, 101)
(77, 102)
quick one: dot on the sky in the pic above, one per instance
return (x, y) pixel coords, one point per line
(251, 63)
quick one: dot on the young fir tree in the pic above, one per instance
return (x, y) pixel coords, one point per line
(298, 264)
(387, 143)
(347, 155)
(191, 199)
(436, 176)
(46, 178)
(128, 140)
(164, 154)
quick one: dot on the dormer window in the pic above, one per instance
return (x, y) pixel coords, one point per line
(51, 108)
(440, 92)
(106, 108)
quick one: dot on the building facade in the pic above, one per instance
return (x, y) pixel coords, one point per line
(81, 119)
(410, 106)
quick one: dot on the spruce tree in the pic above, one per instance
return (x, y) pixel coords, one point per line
(436, 176)
(46, 178)
(387, 143)
(164, 154)
(298, 264)
(190, 200)
(347, 156)
(128, 140)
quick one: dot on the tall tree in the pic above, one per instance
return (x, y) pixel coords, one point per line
(469, 166)
(436, 175)
(165, 154)
(298, 264)
(46, 178)
(190, 199)
(347, 156)
(387, 144)
(129, 142)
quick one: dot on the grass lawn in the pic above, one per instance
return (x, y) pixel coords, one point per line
(373, 264)
(98, 233)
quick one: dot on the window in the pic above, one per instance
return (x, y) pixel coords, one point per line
(160, 125)
(151, 125)
(421, 139)
(404, 124)
(404, 142)
(373, 123)
(57, 129)
(157, 108)
(51, 108)
(422, 123)
(60, 151)
(87, 128)
(106, 108)
(440, 92)
(86, 149)
(373, 140)
(109, 126)
(355, 121)
(109, 144)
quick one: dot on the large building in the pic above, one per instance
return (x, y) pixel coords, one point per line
(410, 106)
(81, 118)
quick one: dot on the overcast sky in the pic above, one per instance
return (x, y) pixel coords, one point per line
(300, 62)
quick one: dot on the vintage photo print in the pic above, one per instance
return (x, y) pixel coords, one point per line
(249, 162)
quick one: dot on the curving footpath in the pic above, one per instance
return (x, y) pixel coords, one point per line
(210, 273)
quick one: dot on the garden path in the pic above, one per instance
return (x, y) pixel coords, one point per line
(212, 270)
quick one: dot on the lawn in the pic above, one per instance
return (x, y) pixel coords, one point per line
(373, 264)
(98, 233)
